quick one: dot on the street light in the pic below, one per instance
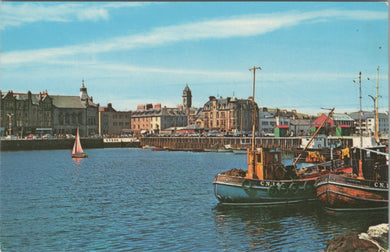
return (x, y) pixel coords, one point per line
(375, 101)
(10, 115)
(376, 108)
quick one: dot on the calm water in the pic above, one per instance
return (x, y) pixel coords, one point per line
(134, 199)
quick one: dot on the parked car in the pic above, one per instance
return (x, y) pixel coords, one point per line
(30, 136)
(47, 136)
(11, 137)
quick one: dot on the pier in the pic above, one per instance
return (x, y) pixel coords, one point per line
(201, 143)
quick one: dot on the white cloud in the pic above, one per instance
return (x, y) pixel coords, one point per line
(17, 14)
(238, 26)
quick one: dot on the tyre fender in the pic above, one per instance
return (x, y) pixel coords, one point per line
(293, 187)
(273, 190)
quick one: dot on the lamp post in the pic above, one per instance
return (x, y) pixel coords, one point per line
(375, 115)
(10, 115)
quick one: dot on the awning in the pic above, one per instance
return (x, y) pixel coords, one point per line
(44, 129)
(282, 126)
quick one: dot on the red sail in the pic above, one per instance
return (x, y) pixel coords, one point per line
(77, 145)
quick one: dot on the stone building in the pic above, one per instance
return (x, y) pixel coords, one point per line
(229, 114)
(152, 119)
(114, 123)
(27, 113)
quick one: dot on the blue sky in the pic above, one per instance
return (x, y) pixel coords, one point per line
(132, 53)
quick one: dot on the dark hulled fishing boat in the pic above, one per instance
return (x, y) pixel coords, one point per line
(267, 180)
(366, 189)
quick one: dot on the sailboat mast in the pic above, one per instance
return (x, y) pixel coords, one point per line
(253, 106)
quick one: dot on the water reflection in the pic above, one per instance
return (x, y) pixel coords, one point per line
(293, 227)
(77, 161)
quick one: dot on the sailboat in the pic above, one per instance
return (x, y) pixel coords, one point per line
(77, 151)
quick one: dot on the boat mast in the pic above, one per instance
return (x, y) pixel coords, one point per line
(253, 106)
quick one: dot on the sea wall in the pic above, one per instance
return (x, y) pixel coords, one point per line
(55, 144)
(288, 143)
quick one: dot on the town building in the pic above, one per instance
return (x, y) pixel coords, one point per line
(368, 123)
(27, 113)
(229, 114)
(152, 119)
(271, 118)
(330, 125)
(114, 123)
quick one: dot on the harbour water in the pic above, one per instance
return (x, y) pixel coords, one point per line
(143, 200)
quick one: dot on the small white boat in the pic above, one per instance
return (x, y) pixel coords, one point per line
(239, 151)
(226, 148)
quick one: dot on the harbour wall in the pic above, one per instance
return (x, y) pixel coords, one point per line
(174, 143)
(56, 144)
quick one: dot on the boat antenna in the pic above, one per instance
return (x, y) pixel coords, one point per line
(253, 106)
(312, 138)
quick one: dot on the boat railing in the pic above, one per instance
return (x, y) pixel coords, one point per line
(330, 165)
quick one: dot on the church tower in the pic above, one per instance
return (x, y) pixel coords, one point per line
(187, 97)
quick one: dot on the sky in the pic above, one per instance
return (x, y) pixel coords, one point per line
(131, 53)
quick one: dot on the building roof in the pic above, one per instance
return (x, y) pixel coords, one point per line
(59, 101)
(67, 101)
(341, 117)
(366, 114)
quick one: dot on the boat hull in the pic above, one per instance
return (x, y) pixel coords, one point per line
(341, 193)
(79, 155)
(242, 191)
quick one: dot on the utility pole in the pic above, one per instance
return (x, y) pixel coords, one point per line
(253, 106)
(360, 175)
(360, 113)
(377, 107)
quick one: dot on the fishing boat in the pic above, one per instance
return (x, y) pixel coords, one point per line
(77, 151)
(367, 188)
(266, 180)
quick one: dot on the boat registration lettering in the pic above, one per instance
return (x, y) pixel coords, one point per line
(381, 185)
(266, 183)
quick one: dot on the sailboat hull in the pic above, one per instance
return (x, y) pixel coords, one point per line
(79, 155)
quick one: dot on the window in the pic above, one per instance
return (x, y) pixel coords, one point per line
(258, 158)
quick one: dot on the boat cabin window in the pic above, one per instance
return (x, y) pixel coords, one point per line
(276, 158)
(258, 158)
